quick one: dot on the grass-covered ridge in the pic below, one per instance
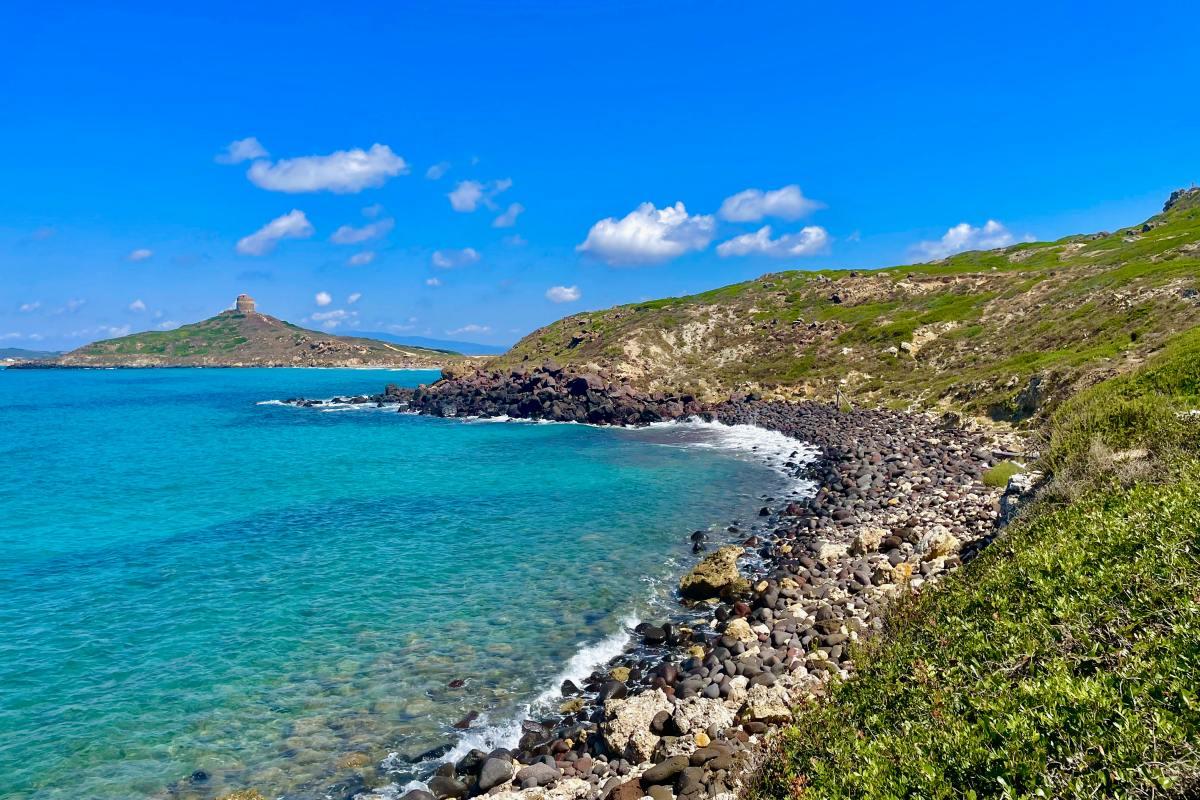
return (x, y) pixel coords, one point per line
(1008, 332)
(1065, 661)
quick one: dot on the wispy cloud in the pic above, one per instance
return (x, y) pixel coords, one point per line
(361, 259)
(472, 328)
(563, 294)
(141, 254)
(348, 234)
(353, 298)
(436, 172)
(341, 172)
(648, 235)
(334, 318)
(241, 150)
(810, 241)
(509, 217)
(292, 225)
(137, 305)
(433, 281)
(30, 307)
(449, 259)
(751, 205)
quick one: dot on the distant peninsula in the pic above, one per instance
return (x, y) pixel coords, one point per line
(245, 337)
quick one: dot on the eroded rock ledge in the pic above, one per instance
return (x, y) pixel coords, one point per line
(766, 619)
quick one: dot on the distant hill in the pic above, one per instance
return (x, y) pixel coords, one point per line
(20, 354)
(466, 348)
(243, 337)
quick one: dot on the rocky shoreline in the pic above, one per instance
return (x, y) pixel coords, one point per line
(768, 616)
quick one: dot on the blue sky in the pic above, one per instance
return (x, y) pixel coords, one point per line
(862, 136)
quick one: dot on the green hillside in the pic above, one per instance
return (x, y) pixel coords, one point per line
(1063, 662)
(1006, 332)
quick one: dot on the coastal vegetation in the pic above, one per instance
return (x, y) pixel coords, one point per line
(1063, 661)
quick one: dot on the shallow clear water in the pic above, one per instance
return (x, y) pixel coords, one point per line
(192, 580)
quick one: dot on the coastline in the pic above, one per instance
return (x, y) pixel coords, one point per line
(686, 707)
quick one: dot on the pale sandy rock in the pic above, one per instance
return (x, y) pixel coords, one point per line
(767, 704)
(699, 713)
(627, 727)
(738, 628)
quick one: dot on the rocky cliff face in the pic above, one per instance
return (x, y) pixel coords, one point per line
(1007, 332)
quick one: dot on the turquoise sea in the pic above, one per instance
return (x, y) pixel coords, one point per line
(194, 579)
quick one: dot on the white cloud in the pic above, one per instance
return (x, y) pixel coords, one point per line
(563, 294)
(333, 318)
(372, 211)
(810, 241)
(353, 298)
(113, 331)
(752, 205)
(72, 305)
(433, 282)
(241, 150)
(167, 325)
(648, 235)
(449, 259)
(141, 254)
(342, 172)
(509, 217)
(437, 170)
(472, 328)
(469, 195)
(137, 305)
(466, 195)
(962, 237)
(351, 235)
(27, 308)
(292, 225)
(361, 259)
(323, 298)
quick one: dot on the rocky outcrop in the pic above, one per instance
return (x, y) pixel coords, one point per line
(716, 575)
(545, 392)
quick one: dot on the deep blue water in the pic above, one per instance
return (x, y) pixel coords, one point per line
(190, 579)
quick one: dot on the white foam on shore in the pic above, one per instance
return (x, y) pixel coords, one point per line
(586, 660)
(486, 735)
(771, 448)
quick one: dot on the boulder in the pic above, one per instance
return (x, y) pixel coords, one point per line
(443, 787)
(494, 772)
(665, 771)
(539, 773)
(626, 728)
(713, 576)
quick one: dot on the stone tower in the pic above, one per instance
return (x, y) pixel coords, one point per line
(245, 304)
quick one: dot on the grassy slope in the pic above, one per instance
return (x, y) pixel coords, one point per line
(984, 323)
(1064, 662)
(237, 337)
